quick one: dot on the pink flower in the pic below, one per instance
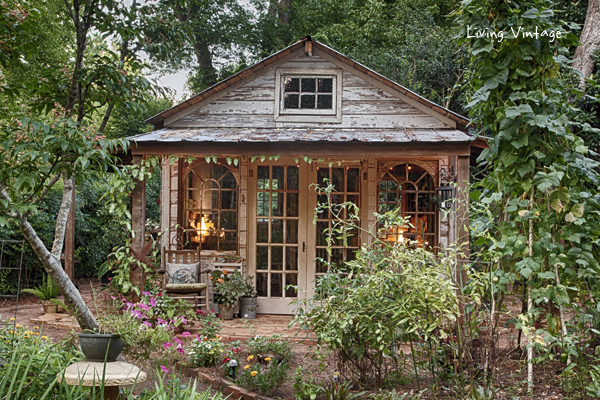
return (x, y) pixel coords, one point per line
(113, 297)
(167, 345)
(183, 320)
(144, 307)
(147, 324)
(164, 369)
(152, 302)
(185, 334)
(137, 314)
(161, 321)
(146, 293)
(176, 340)
(180, 350)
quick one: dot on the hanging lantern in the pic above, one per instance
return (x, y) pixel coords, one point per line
(445, 197)
(445, 193)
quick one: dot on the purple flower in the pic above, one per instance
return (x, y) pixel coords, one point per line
(183, 320)
(185, 334)
(175, 339)
(113, 297)
(164, 369)
(144, 307)
(146, 293)
(167, 345)
(137, 314)
(161, 321)
(147, 324)
(129, 305)
(180, 350)
(152, 302)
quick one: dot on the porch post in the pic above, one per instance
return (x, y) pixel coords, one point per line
(462, 214)
(138, 225)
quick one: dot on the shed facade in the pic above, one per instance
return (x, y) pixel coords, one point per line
(263, 138)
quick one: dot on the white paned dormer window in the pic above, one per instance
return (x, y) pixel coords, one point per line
(308, 95)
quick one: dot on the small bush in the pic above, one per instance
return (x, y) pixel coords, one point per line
(264, 379)
(205, 352)
(305, 386)
(264, 346)
(209, 325)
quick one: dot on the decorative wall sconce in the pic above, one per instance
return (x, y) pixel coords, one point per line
(446, 192)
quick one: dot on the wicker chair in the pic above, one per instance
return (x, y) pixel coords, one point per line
(195, 293)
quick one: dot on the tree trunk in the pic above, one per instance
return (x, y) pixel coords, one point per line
(590, 41)
(51, 260)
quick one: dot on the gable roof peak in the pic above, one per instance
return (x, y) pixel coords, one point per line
(308, 43)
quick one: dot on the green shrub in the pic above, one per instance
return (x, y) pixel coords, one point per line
(209, 325)
(46, 291)
(276, 344)
(206, 352)
(305, 386)
(264, 379)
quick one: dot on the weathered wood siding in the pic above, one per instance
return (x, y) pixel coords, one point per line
(363, 105)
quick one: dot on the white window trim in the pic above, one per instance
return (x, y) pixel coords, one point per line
(306, 115)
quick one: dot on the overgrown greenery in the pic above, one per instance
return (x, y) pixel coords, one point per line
(542, 185)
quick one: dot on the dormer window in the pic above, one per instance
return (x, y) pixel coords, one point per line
(308, 95)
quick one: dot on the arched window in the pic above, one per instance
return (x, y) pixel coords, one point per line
(410, 188)
(210, 208)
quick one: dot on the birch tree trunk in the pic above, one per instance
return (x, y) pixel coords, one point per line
(51, 259)
(590, 41)
(529, 308)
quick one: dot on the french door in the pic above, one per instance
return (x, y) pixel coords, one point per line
(284, 246)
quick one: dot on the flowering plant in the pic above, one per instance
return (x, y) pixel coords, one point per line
(229, 287)
(263, 379)
(204, 352)
(209, 325)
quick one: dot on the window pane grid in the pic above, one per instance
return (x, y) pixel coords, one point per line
(346, 183)
(409, 189)
(277, 230)
(210, 208)
(307, 93)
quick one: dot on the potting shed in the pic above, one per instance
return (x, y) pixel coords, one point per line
(260, 141)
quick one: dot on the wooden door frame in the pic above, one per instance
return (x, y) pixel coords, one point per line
(266, 305)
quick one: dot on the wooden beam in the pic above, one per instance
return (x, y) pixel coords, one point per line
(462, 213)
(312, 149)
(138, 225)
(70, 240)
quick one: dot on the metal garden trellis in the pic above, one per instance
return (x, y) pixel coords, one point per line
(6, 266)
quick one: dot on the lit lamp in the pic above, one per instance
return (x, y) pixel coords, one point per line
(445, 192)
(395, 234)
(206, 225)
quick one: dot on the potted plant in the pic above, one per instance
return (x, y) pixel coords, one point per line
(47, 292)
(248, 302)
(100, 346)
(228, 289)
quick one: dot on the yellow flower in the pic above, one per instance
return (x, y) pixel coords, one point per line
(36, 327)
(26, 336)
(247, 366)
(268, 359)
(253, 373)
(45, 337)
(250, 357)
(18, 326)
(12, 319)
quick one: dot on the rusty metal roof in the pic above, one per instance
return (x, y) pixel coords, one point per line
(232, 135)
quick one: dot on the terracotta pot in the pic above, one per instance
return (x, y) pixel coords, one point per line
(49, 307)
(225, 312)
(100, 347)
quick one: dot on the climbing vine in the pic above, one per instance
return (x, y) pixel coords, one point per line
(540, 180)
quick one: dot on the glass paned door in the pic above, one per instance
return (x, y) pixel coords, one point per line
(278, 232)
(347, 187)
